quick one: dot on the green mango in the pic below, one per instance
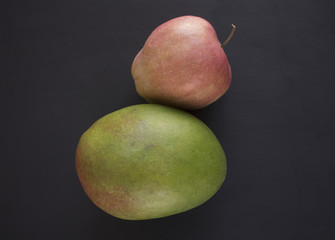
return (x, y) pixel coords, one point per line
(149, 161)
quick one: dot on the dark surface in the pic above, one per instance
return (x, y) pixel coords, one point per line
(64, 64)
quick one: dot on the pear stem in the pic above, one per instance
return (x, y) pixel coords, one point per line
(230, 36)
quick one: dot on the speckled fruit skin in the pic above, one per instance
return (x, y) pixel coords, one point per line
(182, 64)
(149, 161)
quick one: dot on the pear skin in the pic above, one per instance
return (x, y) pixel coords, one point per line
(182, 64)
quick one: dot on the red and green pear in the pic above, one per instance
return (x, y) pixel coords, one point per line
(182, 64)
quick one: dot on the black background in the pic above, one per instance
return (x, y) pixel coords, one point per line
(66, 63)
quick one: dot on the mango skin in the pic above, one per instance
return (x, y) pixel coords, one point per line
(149, 161)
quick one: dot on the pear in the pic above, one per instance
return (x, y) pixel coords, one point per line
(182, 64)
(149, 161)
